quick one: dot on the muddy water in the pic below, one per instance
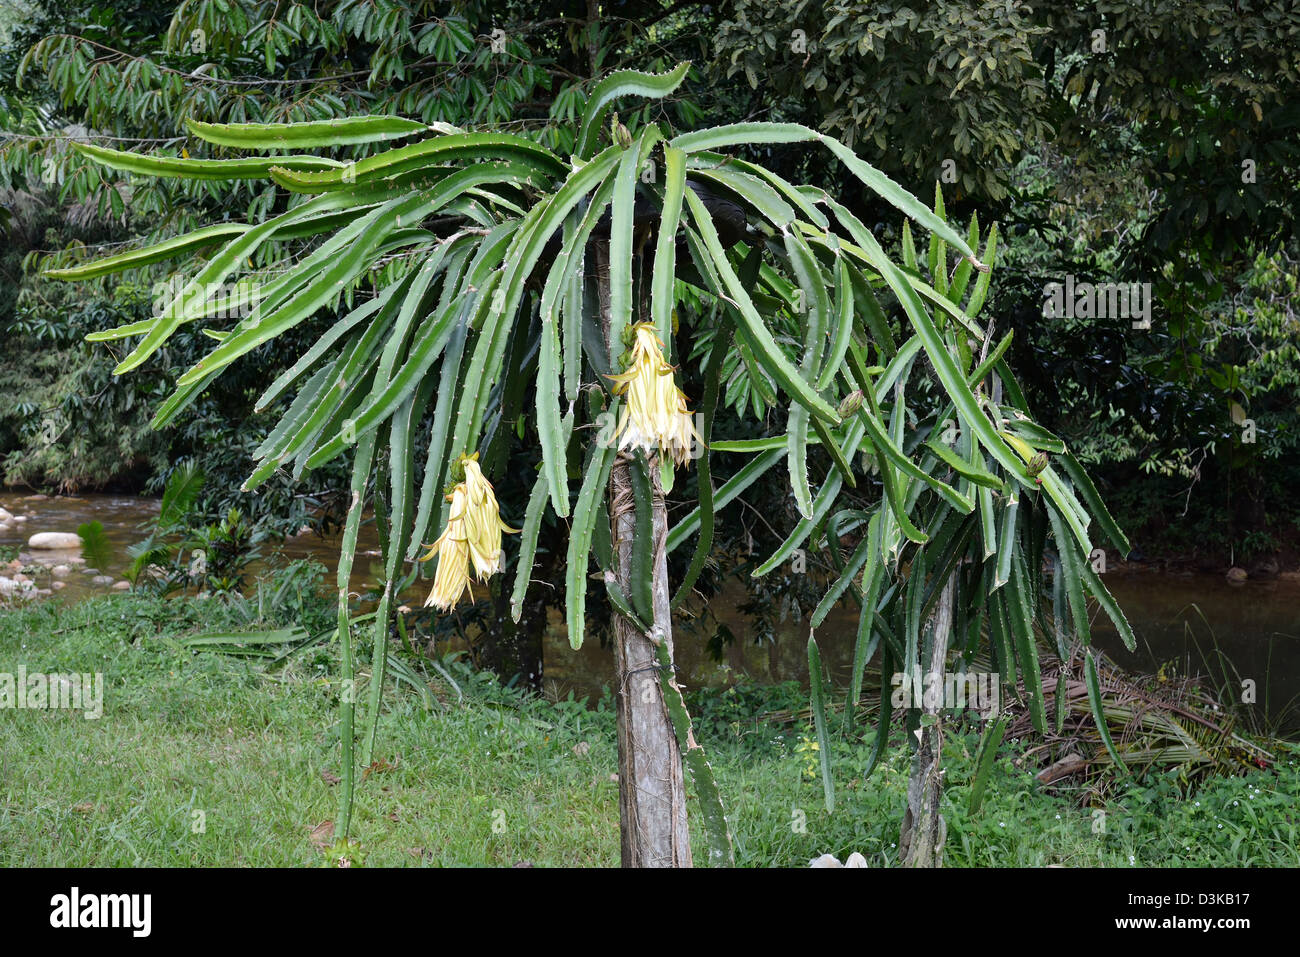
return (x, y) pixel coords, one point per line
(1192, 624)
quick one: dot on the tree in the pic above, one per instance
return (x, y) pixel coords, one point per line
(517, 292)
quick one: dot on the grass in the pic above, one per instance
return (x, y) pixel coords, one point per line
(207, 759)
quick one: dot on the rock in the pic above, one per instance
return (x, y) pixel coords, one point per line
(829, 860)
(54, 540)
(121, 586)
(44, 591)
(102, 580)
(5, 515)
(21, 578)
(61, 570)
(56, 585)
(10, 588)
(5, 527)
(1265, 569)
(35, 498)
(90, 571)
(1237, 575)
(20, 519)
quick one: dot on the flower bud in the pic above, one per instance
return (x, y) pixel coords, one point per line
(850, 404)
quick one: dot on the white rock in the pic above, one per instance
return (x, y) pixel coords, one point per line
(9, 588)
(56, 585)
(102, 580)
(54, 540)
(829, 860)
(20, 519)
(5, 515)
(61, 570)
(121, 586)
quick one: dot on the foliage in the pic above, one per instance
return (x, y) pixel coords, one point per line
(869, 70)
(179, 553)
(1159, 413)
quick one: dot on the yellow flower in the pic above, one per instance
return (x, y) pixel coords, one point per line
(655, 417)
(472, 538)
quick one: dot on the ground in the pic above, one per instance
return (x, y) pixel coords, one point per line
(207, 759)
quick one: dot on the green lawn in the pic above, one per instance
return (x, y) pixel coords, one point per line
(487, 777)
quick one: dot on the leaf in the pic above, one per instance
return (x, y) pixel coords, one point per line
(796, 458)
(236, 639)
(617, 84)
(842, 334)
(664, 271)
(819, 719)
(1084, 486)
(169, 249)
(232, 169)
(529, 162)
(1098, 709)
(341, 131)
(620, 236)
(1018, 599)
(984, 761)
(528, 545)
(180, 494)
(580, 533)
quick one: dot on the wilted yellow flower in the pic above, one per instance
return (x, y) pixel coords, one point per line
(472, 538)
(655, 417)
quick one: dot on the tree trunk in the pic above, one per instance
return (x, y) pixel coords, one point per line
(652, 787)
(921, 842)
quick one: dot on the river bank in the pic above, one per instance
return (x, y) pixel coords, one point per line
(1187, 622)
